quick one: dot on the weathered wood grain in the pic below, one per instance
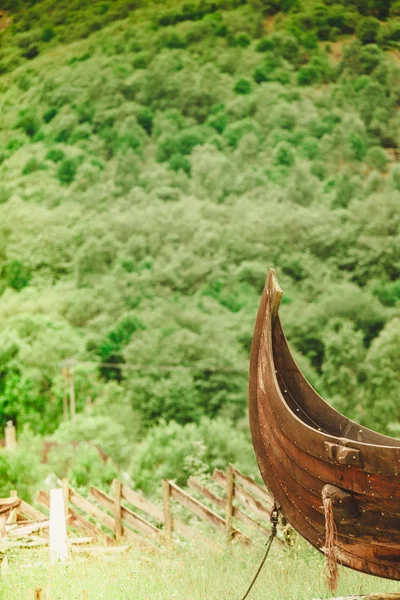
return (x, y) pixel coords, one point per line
(91, 509)
(229, 505)
(168, 520)
(156, 512)
(117, 509)
(251, 503)
(31, 513)
(127, 515)
(220, 502)
(202, 511)
(254, 488)
(197, 507)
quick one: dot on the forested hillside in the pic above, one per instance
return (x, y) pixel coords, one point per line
(155, 160)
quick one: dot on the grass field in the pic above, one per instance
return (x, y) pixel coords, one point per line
(193, 573)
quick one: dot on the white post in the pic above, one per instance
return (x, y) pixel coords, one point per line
(58, 527)
(10, 436)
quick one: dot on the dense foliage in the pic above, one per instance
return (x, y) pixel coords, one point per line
(149, 177)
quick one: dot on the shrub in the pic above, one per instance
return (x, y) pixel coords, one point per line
(390, 32)
(289, 48)
(141, 60)
(359, 145)
(145, 117)
(243, 86)
(49, 115)
(284, 155)
(309, 148)
(310, 40)
(82, 464)
(21, 468)
(377, 158)
(86, 112)
(395, 9)
(67, 170)
(101, 431)
(55, 155)
(31, 52)
(242, 40)
(172, 451)
(28, 121)
(110, 348)
(273, 69)
(266, 44)
(182, 143)
(367, 30)
(32, 165)
(308, 75)
(171, 40)
(48, 34)
(236, 131)
(130, 136)
(179, 162)
(371, 56)
(218, 119)
(388, 293)
(17, 275)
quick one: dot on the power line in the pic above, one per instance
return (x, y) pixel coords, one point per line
(138, 367)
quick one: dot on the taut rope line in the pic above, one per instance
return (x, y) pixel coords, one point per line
(274, 521)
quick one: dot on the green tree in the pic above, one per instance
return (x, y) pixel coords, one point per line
(368, 30)
(382, 364)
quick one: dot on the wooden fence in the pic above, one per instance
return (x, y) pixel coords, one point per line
(230, 504)
(240, 511)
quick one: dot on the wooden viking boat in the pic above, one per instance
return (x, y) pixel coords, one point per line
(308, 452)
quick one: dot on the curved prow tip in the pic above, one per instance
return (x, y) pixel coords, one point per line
(274, 291)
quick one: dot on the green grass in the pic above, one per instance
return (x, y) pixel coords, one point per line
(211, 573)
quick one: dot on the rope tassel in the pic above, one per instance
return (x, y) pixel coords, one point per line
(331, 566)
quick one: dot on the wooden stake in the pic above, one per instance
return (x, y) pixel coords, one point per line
(229, 504)
(10, 435)
(38, 593)
(117, 509)
(13, 494)
(65, 489)
(168, 525)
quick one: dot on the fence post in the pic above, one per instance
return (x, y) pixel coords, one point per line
(10, 435)
(117, 509)
(229, 504)
(58, 528)
(168, 525)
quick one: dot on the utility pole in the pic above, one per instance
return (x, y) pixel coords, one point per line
(72, 393)
(64, 372)
(67, 369)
